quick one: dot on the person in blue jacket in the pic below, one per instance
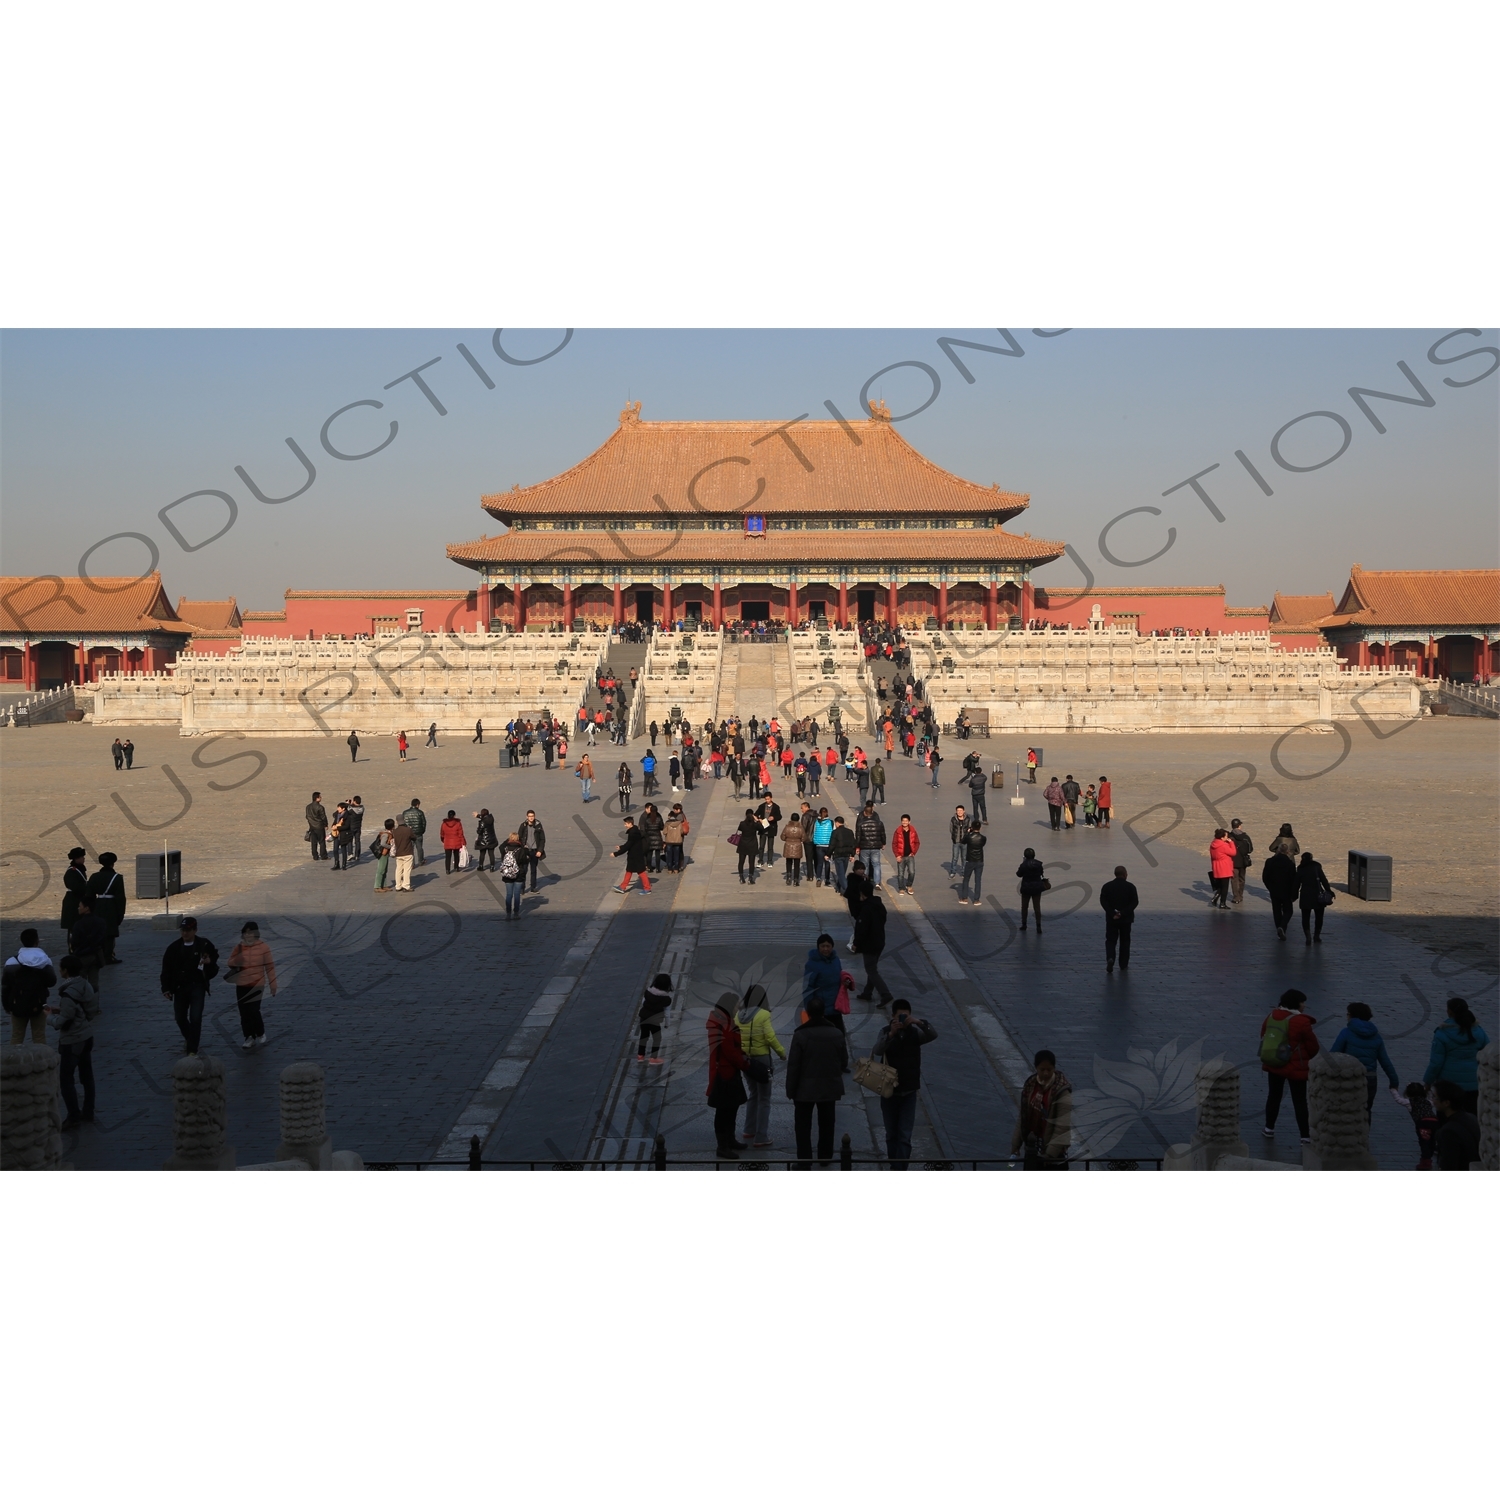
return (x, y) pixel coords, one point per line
(1361, 1039)
(1455, 1046)
(822, 975)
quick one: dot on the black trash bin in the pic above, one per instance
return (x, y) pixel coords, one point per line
(158, 875)
(1370, 875)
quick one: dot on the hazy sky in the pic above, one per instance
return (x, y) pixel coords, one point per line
(100, 430)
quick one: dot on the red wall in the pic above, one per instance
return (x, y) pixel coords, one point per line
(317, 617)
(1161, 612)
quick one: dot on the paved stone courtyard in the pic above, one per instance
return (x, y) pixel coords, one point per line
(436, 1019)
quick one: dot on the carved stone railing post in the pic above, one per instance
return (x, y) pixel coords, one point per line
(1489, 1108)
(1218, 1130)
(30, 1127)
(1336, 1109)
(200, 1117)
(304, 1128)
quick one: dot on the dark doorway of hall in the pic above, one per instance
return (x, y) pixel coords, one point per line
(867, 604)
(645, 604)
(755, 609)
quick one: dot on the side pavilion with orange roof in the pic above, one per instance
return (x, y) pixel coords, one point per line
(1443, 622)
(60, 632)
(729, 521)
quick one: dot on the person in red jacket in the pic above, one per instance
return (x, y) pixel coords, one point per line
(904, 845)
(451, 831)
(1221, 856)
(1106, 800)
(1303, 1046)
(726, 1062)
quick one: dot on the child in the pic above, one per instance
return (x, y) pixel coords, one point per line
(251, 967)
(653, 1008)
(1090, 806)
(1424, 1117)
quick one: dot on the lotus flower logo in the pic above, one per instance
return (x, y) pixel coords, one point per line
(1163, 1083)
(774, 979)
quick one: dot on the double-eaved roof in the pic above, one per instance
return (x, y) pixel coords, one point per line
(686, 476)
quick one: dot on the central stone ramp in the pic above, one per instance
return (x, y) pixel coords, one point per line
(755, 680)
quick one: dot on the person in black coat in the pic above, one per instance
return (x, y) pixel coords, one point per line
(634, 850)
(869, 943)
(748, 847)
(533, 843)
(317, 826)
(815, 1066)
(1119, 899)
(901, 1045)
(107, 887)
(1033, 877)
(75, 887)
(1313, 896)
(187, 966)
(1279, 875)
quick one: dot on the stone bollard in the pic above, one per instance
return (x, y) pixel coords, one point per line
(1217, 1133)
(1336, 1111)
(200, 1117)
(30, 1125)
(1489, 1108)
(304, 1129)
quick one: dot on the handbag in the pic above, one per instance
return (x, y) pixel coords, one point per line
(878, 1077)
(307, 837)
(463, 856)
(734, 838)
(846, 988)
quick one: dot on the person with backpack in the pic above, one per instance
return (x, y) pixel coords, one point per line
(74, 1014)
(1314, 896)
(513, 865)
(1243, 849)
(652, 1013)
(1287, 1044)
(900, 1046)
(759, 1040)
(27, 981)
(1360, 1038)
(1456, 1045)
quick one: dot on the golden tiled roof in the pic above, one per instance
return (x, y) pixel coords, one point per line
(69, 607)
(736, 468)
(1299, 609)
(733, 549)
(1419, 596)
(210, 614)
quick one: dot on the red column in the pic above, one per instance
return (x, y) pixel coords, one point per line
(83, 664)
(1429, 658)
(619, 607)
(791, 605)
(943, 605)
(1028, 602)
(718, 606)
(28, 667)
(843, 606)
(486, 602)
(1364, 654)
(567, 606)
(893, 607)
(666, 604)
(992, 607)
(518, 595)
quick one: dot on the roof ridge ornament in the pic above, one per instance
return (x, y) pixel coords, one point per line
(879, 412)
(631, 414)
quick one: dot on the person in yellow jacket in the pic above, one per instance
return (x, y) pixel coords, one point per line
(758, 1038)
